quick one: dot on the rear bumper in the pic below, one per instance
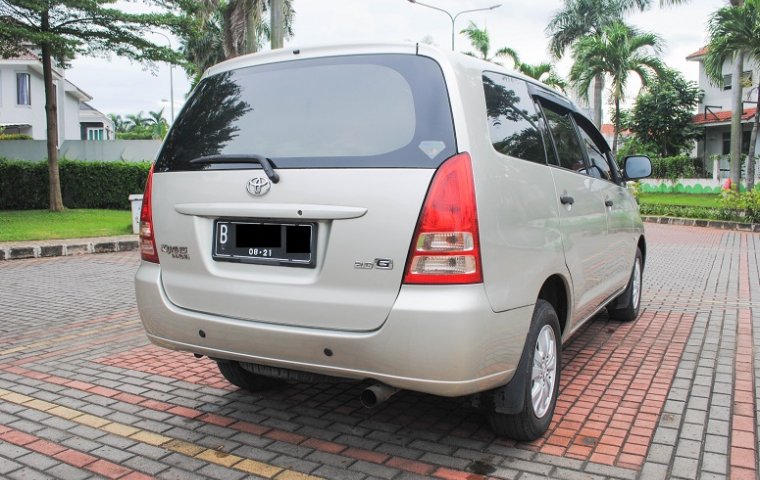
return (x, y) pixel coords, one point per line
(443, 340)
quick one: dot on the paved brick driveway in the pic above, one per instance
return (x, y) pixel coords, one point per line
(82, 393)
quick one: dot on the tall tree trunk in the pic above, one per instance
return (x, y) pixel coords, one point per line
(51, 116)
(737, 108)
(598, 87)
(752, 142)
(278, 24)
(253, 21)
(617, 126)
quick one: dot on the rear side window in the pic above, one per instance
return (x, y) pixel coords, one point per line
(569, 150)
(351, 111)
(512, 118)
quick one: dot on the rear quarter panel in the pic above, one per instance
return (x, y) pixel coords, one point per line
(521, 244)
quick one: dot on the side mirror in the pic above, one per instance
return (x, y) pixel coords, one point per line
(637, 166)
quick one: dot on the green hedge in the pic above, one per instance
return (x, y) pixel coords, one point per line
(24, 185)
(15, 136)
(674, 168)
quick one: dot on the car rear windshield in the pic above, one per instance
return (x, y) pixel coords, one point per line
(363, 111)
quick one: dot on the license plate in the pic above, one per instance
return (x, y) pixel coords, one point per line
(288, 244)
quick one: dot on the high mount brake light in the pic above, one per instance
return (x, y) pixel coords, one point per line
(446, 244)
(148, 250)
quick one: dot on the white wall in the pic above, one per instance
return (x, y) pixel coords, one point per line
(71, 129)
(33, 114)
(715, 95)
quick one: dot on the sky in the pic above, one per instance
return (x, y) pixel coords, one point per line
(122, 87)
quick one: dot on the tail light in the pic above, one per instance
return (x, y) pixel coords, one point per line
(446, 246)
(148, 250)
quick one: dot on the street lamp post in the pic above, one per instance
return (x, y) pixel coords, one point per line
(454, 17)
(171, 78)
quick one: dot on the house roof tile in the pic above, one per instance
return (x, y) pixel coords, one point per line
(722, 116)
(699, 53)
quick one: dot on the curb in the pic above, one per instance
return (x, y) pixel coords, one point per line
(693, 222)
(68, 248)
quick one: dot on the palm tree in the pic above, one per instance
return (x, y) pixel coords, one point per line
(136, 121)
(615, 53)
(119, 124)
(479, 39)
(244, 24)
(581, 18)
(543, 72)
(157, 124)
(733, 30)
(202, 46)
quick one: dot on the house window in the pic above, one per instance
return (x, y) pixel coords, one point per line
(23, 89)
(95, 134)
(727, 142)
(746, 80)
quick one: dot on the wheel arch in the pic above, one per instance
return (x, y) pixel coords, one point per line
(556, 291)
(642, 244)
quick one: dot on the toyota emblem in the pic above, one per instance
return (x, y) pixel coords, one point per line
(258, 186)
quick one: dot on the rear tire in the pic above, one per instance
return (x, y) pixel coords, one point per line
(630, 299)
(238, 376)
(542, 370)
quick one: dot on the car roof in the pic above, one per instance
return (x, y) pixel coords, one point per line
(297, 53)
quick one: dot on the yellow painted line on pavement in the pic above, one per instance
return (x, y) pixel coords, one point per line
(66, 338)
(175, 445)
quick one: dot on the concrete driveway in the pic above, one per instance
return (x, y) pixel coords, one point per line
(672, 395)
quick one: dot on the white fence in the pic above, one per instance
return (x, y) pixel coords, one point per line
(92, 151)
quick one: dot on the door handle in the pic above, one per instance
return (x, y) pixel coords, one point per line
(608, 203)
(566, 200)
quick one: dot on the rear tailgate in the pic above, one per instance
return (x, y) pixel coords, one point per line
(355, 141)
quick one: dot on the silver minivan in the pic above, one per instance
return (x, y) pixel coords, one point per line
(394, 214)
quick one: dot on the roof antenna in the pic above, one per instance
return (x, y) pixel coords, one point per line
(417, 48)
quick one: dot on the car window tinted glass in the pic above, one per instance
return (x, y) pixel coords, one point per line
(512, 118)
(352, 111)
(599, 166)
(565, 139)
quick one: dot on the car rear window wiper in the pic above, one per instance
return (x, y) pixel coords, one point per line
(265, 163)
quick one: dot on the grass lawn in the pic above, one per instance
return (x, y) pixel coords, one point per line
(684, 199)
(19, 225)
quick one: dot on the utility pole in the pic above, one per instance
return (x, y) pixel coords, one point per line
(277, 27)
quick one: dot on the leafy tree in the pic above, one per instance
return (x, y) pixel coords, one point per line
(734, 31)
(61, 29)
(578, 19)
(662, 115)
(617, 52)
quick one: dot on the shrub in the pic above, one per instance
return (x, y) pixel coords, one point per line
(747, 204)
(681, 211)
(24, 185)
(15, 136)
(677, 167)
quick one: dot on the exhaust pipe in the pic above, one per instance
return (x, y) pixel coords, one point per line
(376, 394)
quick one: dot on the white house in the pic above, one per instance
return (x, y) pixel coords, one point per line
(22, 103)
(714, 112)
